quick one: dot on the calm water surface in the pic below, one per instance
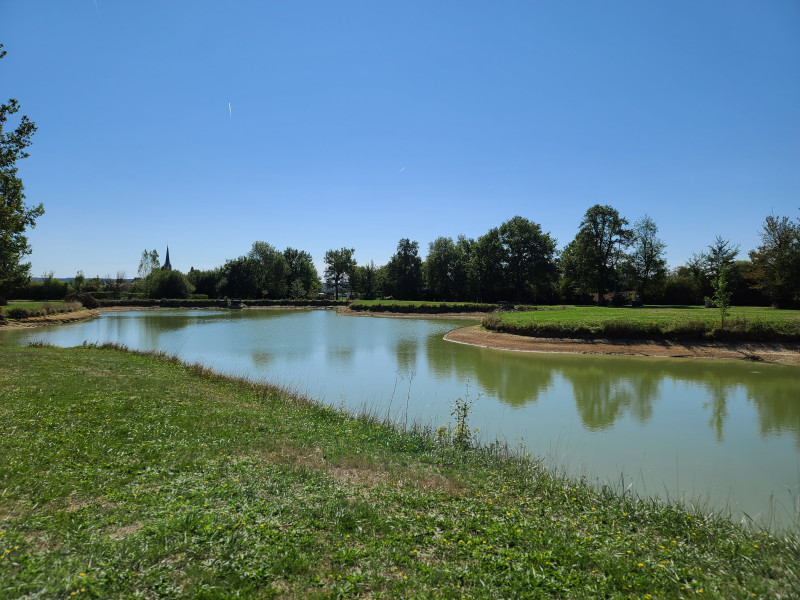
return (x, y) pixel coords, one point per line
(722, 433)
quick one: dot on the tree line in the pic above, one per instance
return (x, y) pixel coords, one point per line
(609, 260)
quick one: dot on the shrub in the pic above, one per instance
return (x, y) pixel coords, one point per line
(86, 299)
(18, 313)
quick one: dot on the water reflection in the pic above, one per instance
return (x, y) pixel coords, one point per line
(513, 378)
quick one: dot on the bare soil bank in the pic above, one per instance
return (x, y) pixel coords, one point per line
(769, 352)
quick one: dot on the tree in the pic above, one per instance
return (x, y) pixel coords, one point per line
(79, 281)
(301, 268)
(487, 265)
(148, 263)
(464, 278)
(439, 266)
(169, 283)
(528, 261)
(237, 279)
(205, 282)
(776, 262)
(591, 261)
(722, 295)
(405, 270)
(269, 269)
(720, 255)
(647, 264)
(339, 265)
(367, 277)
(15, 215)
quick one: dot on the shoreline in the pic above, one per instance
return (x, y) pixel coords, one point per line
(474, 335)
(751, 351)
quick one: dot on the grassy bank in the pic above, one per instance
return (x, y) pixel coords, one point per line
(680, 323)
(420, 307)
(132, 476)
(19, 310)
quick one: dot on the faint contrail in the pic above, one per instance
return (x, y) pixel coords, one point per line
(230, 114)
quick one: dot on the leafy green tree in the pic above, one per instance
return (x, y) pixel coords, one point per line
(722, 295)
(464, 276)
(95, 284)
(148, 263)
(237, 278)
(15, 215)
(591, 261)
(367, 278)
(528, 260)
(487, 265)
(170, 284)
(78, 281)
(646, 260)
(405, 270)
(776, 262)
(439, 267)
(339, 265)
(296, 290)
(269, 269)
(301, 268)
(205, 282)
(720, 255)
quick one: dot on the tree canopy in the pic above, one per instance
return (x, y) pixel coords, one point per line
(776, 262)
(339, 265)
(591, 261)
(15, 216)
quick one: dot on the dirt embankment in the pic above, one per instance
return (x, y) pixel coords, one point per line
(769, 352)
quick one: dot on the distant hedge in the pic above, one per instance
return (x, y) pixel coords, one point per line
(423, 308)
(206, 303)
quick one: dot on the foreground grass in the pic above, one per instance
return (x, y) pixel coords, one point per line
(131, 476)
(687, 322)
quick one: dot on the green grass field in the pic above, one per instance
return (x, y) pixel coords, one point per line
(133, 476)
(747, 323)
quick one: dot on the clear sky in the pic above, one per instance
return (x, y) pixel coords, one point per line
(210, 125)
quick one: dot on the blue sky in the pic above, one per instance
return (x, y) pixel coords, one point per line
(359, 123)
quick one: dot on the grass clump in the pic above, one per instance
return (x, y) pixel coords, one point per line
(675, 323)
(132, 475)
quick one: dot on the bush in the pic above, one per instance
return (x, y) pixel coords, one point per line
(18, 313)
(84, 298)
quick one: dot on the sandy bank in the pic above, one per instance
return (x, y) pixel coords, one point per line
(769, 352)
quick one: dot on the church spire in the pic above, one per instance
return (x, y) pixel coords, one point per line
(167, 265)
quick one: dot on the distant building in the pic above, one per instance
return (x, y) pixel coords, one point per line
(167, 265)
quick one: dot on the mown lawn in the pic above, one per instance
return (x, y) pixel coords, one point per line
(132, 476)
(752, 323)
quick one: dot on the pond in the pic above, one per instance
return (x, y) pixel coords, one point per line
(725, 434)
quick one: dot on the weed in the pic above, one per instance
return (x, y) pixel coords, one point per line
(463, 436)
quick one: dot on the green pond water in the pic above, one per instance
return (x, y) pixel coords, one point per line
(724, 434)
